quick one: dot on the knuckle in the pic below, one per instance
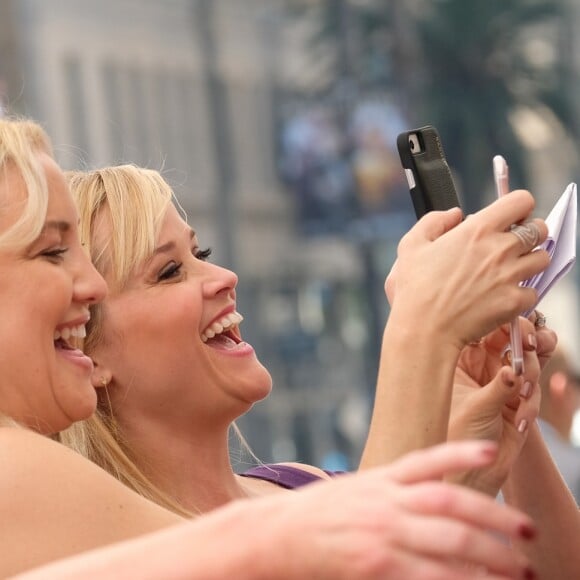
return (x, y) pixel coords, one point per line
(375, 562)
(439, 498)
(461, 540)
(514, 298)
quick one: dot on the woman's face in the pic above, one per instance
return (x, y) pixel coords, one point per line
(45, 292)
(158, 338)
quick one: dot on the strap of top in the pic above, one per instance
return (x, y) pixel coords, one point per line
(286, 476)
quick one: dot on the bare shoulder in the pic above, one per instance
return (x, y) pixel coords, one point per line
(54, 503)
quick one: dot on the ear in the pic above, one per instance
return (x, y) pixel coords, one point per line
(101, 376)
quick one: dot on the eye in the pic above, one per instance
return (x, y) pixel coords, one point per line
(202, 255)
(170, 271)
(55, 255)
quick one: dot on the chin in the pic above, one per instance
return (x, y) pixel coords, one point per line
(261, 387)
(81, 405)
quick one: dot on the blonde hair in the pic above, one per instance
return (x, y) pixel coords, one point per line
(134, 202)
(21, 141)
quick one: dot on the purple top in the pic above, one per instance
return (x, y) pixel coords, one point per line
(285, 476)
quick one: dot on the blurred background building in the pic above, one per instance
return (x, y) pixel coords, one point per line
(275, 121)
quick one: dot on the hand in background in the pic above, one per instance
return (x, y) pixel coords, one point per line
(490, 402)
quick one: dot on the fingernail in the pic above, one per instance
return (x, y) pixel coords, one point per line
(489, 449)
(526, 390)
(527, 531)
(508, 379)
(522, 426)
(532, 340)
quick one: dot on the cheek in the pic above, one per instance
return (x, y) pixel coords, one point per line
(180, 315)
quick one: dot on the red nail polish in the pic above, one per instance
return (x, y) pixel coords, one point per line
(527, 532)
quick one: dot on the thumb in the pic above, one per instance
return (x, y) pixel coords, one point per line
(436, 223)
(503, 388)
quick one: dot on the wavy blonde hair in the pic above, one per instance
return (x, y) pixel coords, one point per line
(21, 141)
(134, 202)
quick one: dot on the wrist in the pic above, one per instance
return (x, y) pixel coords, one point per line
(413, 334)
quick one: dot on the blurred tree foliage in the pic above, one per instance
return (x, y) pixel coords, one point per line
(465, 66)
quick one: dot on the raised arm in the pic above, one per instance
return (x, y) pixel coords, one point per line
(536, 487)
(453, 283)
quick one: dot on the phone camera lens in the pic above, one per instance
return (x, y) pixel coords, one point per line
(414, 144)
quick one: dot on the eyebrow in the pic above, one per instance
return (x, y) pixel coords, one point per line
(59, 225)
(171, 245)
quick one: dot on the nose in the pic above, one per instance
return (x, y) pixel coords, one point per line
(89, 286)
(219, 280)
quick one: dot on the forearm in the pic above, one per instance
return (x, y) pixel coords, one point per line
(413, 394)
(536, 487)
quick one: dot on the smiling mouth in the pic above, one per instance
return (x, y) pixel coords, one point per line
(224, 332)
(66, 338)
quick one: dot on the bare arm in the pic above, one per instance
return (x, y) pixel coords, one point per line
(54, 503)
(413, 396)
(536, 487)
(453, 282)
(386, 524)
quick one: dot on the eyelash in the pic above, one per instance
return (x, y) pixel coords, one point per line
(174, 269)
(203, 255)
(55, 255)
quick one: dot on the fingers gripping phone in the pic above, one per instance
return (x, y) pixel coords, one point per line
(427, 171)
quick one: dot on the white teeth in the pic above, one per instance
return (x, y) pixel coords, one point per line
(78, 331)
(220, 325)
(217, 328)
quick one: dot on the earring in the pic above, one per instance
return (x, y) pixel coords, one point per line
(104, 382)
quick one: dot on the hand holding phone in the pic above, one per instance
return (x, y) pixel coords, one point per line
(427, 171)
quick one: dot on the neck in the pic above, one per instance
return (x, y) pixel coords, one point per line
(192, 467)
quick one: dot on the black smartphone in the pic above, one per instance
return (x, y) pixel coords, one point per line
(427, 171)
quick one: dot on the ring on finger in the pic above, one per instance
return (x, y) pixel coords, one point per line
(528, 234)
(506, 356)
(540, 321)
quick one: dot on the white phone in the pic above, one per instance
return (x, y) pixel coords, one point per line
(501, 178)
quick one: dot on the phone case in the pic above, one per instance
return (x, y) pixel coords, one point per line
(427, 171)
